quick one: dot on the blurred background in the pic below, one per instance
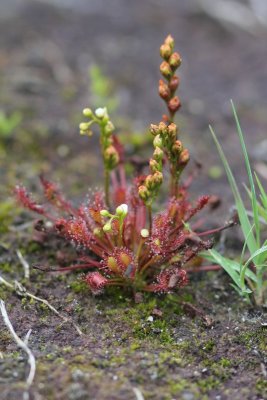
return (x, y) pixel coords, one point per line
(58, 56)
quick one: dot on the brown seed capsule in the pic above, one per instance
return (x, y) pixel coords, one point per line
(174, 83)
(174, 104)
(165, 70)
(175, 61)
(164, 90)
(165, 51)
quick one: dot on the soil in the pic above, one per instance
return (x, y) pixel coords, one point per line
(204, 342)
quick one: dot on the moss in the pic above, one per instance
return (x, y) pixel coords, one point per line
(254, 338)
(261, 387)
(79, 286)
(6, 268)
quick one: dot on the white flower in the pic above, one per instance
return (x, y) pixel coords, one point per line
(122, 210)
(100, 112)
(144, 233)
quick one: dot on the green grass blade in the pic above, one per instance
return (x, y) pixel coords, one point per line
(263, 194)
(250, 176)
(226, 264)
(214, 257)
(241, 210)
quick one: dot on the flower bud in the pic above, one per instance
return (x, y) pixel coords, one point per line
(174, 104)
(154, 129)
(177, 147)
(107, 227)
(154, 165)
(172, 131)
(165, 70)
(144, 193)
(104, 213)
(165, 51)
(109, 128)
(87, 112)
(158, 154)
(149, 182)
(158, 178)
(84, 126)
(175, 61)
(174, 83)
(170, 41)
(111, 157)
(164, 90)
(157, 142)
(184, 157)
(163, 128)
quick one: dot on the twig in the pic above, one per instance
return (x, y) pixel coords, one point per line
(21, 290)
(25, 265)
(138, 394)
(21, 344)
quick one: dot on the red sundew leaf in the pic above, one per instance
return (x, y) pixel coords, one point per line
(96, 282)
(27, 201)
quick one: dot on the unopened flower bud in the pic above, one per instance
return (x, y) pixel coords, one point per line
(164, 90)
(157, 142)
(122, 210)
(144, 193)
(172, 131)
(184, 157)
(177, 147)
(154, 165)
(87, 112)
(158, 178)
(174, 104)
(163, 128)
(174, 83)
(154, 129)
(109, 128)
(104, 213)
(107, 227)
(144, 233)
(84, 126)
(158, 154)
(149, 182)
(165, 70)
(165, 51)
(175, 61)
(170, 41)
(111, 157)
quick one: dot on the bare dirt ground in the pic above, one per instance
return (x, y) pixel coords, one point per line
(45, 51)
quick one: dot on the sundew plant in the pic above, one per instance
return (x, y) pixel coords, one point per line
(121, 240)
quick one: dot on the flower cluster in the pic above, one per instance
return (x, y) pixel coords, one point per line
(119, 239)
